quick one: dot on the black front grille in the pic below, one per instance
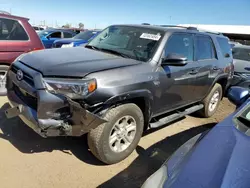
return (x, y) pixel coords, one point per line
(28, 99)
(26, 77)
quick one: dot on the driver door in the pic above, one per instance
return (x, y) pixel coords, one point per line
(177, 82)
(51, 38)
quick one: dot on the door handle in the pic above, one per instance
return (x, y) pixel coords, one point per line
(192, 72)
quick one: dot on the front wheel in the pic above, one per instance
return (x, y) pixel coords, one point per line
(212, 101)
(113, 141)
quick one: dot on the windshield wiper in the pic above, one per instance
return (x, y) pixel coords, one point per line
(115, 52)
(92, 47)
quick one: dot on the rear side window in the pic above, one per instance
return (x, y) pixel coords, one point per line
(224, 46)
(67, 35)
(181, 44)
(204, 48)
(12, 30)
(241, 53)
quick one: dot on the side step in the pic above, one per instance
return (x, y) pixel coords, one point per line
(176, 116)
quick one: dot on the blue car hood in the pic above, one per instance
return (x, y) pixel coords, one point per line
(220, 159)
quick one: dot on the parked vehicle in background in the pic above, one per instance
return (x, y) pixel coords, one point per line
(241, 55)
(38, 29)
(48, 36)
(215, 158)
(77, 40)
(125, 80)
(16, 37)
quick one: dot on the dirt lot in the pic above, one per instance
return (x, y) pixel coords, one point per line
(29, 161)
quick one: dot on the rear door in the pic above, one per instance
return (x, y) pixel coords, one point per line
(14, 40)
(207, 59)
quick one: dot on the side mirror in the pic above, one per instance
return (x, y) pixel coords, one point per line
(174, 60)
(238, 95)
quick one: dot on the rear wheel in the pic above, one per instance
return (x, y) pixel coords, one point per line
(116, 139)
(3, 74)
(212, 101)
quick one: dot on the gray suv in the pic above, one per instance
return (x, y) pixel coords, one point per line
(128, 79)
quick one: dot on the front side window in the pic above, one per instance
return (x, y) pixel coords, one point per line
(135, 42)
(204, 48)
(12, 30)
(56, 35)
(241, 53)
(181, 44)
(67, 35)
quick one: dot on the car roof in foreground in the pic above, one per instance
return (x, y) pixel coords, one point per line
(13, 17)
(174, 28)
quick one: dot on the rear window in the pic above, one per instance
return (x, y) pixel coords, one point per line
(204, 48)
(241, 53)
(12, 30)
(224, 46)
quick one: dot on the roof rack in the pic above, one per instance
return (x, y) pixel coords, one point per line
(145, 24)
(211, 32)
(4, 12)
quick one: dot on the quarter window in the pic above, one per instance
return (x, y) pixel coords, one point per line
(204, 48)
(181, 44)
(12, 30)
(224, 46)
(67, 35)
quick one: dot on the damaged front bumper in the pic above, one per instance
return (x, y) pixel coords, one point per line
(46, 113)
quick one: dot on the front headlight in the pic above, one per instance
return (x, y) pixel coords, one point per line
(72, 88)
(68, 45)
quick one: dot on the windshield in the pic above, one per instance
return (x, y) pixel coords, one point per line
(43, 33)
(241, 54)
(86, 35)
(135, 42)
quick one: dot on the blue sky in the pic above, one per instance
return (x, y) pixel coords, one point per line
(101, 13)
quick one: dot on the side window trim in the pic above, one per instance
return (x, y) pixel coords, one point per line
(215, 54)
(179, 33)
(21, 24)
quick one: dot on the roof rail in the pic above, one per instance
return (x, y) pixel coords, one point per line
(193, 28)
(4, 12)
(184, 27)
(211, 32)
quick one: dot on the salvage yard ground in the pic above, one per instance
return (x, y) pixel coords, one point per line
(29, 161)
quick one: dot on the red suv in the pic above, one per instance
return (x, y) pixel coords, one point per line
(16, 37)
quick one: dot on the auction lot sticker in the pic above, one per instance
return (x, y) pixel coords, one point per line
(150, 36)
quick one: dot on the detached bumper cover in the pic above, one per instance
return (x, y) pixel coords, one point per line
(46, 113)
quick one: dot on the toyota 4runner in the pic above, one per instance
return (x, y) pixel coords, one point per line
(127, 79)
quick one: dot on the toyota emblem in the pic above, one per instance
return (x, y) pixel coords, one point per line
(19, 75)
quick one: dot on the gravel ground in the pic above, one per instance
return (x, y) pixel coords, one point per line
(29, 161)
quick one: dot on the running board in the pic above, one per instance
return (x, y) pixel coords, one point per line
(175, 116)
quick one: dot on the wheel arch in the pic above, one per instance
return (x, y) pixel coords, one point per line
(142, 98)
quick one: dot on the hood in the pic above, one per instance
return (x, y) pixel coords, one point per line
(73, 62)
(68, 41)
(220, 159)
(241, 66)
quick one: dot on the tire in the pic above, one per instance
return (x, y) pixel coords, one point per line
(99, 138)
(3, 73)
(207, 111)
